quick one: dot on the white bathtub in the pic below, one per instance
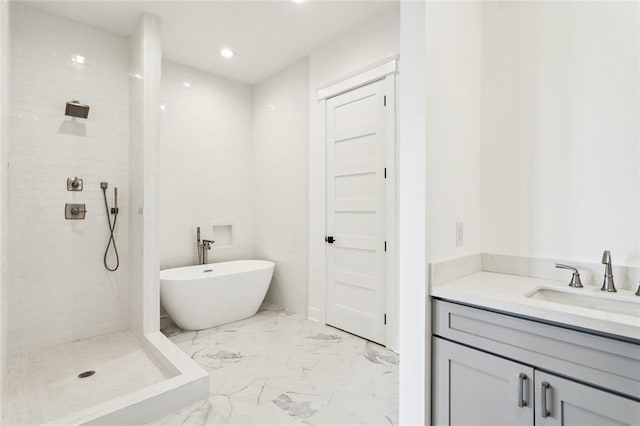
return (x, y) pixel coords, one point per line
(203, 296)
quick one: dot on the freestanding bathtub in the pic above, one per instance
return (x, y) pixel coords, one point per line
(203, 296)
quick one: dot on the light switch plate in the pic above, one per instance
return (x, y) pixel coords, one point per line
(459, 234)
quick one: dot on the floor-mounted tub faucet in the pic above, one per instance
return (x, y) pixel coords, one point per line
(206, 246)
(608, 284)
(203, 248)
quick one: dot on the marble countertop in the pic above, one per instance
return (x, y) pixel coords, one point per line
(508, 293)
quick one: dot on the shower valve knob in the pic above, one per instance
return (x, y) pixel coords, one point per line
(74, 184)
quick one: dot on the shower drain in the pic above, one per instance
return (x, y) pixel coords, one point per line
(86, 374)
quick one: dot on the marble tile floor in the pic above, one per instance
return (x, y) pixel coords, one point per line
(44, 385)
(279, 369)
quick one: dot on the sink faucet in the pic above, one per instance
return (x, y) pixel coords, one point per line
(203, 248)
(607, 284)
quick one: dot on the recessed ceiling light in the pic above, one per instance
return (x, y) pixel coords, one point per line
(186, 84)
(227, 53)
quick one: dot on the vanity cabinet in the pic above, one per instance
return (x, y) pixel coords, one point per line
(475, 388)
(492, 368)
(564, 402)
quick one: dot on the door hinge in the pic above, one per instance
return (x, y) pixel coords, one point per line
(385, 319)
(385, 246)
(329, 240)
(384, 100)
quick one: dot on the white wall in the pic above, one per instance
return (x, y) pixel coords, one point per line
(411, 169)
(4, 80)
(58, 286)
(378, 39)
(453, 115)
(145, 46)
(205, 164)
(280, 184)
(561, 141)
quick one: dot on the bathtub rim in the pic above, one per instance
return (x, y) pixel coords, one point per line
(265, 264)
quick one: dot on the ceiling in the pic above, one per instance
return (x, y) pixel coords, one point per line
(267, 36)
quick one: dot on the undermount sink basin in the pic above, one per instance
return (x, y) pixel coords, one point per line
(605, 302)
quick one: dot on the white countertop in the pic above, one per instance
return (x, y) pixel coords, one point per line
(508, 293)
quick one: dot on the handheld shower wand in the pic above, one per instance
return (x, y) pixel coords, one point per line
(112, 226)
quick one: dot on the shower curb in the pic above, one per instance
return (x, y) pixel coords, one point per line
(189, 383)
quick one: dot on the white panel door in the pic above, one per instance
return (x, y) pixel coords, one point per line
(355, 130)
(564, 402)
(473, 388)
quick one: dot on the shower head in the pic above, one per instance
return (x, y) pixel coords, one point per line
(76, 109)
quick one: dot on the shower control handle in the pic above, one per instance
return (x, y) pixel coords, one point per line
(75, 211)
(74, 184)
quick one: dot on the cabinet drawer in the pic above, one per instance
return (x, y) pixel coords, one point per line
(598, 360)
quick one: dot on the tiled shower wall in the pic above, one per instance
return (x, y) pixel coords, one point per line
(58, 287)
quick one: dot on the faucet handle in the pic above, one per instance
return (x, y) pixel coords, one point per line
(575, 278)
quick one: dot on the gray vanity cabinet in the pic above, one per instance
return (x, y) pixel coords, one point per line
(475, 388)
(492, 368)
(563, 402)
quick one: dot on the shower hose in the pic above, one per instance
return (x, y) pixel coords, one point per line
(112, 239)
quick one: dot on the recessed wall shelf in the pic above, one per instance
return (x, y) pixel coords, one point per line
(223, 235)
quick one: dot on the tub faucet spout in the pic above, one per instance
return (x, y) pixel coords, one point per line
(206, 246)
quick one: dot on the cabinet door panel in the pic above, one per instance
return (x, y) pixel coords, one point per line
(475, 388)
(569, 403)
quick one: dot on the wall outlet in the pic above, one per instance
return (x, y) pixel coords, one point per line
(459, 234)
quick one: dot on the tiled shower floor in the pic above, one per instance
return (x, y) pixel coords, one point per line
(44, 386)
(276, 369)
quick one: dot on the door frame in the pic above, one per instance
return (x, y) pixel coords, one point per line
(384, 69)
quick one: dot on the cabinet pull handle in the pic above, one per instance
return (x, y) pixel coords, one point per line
(545, 411)
(522, 378)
